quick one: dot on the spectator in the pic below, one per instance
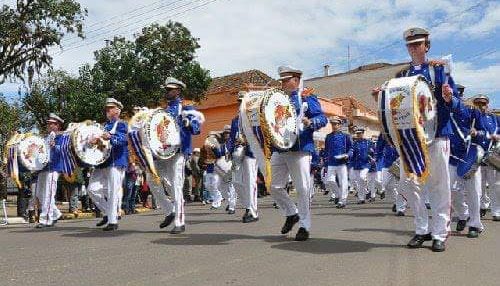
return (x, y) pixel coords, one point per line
(188, 181)
(130, 188)
(197, 174)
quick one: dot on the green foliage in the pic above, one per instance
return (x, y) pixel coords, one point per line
(72, 98)
(11, 115)
(133, 71)
(30, 29)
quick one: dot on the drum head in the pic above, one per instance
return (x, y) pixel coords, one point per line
(33, 153)
(87, 153)
(426, 108)
(281, 119)
(163, 134)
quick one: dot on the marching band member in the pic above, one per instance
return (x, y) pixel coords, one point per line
(46, 186)
(210, 177)
(418, 44)
(245, 171)
(223, 167)
(389, 155)
(487, 133)
(374, 176)
(338, 149)
(362, 151)
(171, 170)
(296, 162)
(106, 182)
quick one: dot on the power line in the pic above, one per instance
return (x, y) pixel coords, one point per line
(133, 11)
(141, 24)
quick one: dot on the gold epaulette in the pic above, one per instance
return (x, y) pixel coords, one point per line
(307, 91)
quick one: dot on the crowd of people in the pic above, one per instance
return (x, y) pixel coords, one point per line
(226, 170)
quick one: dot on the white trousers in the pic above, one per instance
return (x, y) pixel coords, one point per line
(171, 172)
(212, 183)
(337, 190)
(466, 197)
(228, 193)
(246, 185)
(105, 189)
(492, 178)
(374, 181)
(438, 185)
(360, 178)
(45, 191)
(296, 165)
(391, 183)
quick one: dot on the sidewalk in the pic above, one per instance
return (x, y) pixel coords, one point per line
(63, 207)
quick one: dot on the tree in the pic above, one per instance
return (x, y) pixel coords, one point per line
(72, 98)
(133, 71)
(11, 122)
(30, 29)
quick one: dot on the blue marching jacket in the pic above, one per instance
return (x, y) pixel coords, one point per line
(119, 145)
(362, 154)
(175, 108)
(337, 143)
(318, 119)
(233, 137)
(56, 159)
(443, 109)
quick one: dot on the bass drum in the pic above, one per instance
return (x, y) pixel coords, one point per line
(162, 134)
(272, 112)
(32, 151)
(88, 153)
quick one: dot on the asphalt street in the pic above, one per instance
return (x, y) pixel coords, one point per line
(359, 245)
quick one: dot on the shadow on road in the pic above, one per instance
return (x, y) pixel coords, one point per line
(391, 231)
(312, 246)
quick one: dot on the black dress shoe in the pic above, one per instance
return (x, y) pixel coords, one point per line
(103, 221)
(275, 205)
(331, 200)
(231, 212)
(418, 240)
(368, 196)
(496, 218)
(428, 206)
(168, 220)
(438, 246)
(325, 193)
(302, 234)
(289, 223)
(382, 195)
(400, 213)
(361, 202)
(249, 218)
(41, 225)
(340, 206)
(482, 212)
(178, 229)
(461, 224)
(111, 227)
(227, 208)
(393, 208)
(473, 232)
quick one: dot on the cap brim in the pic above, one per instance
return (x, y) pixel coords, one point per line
(481, 100)
(173, 86)
(54, 121)
(285, 77)
(113, 105)
(415, 41)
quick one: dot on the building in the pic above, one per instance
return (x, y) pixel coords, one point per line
(357, 83)
(220, 105)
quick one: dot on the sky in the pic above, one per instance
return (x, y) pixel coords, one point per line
(239, 35)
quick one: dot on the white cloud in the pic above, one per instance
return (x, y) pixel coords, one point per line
(236, 35)
(477, 80)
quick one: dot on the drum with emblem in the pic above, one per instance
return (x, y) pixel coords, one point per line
(271, 113)
(31, 150)
(90, 149)
(407, 111)
(159, 131)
